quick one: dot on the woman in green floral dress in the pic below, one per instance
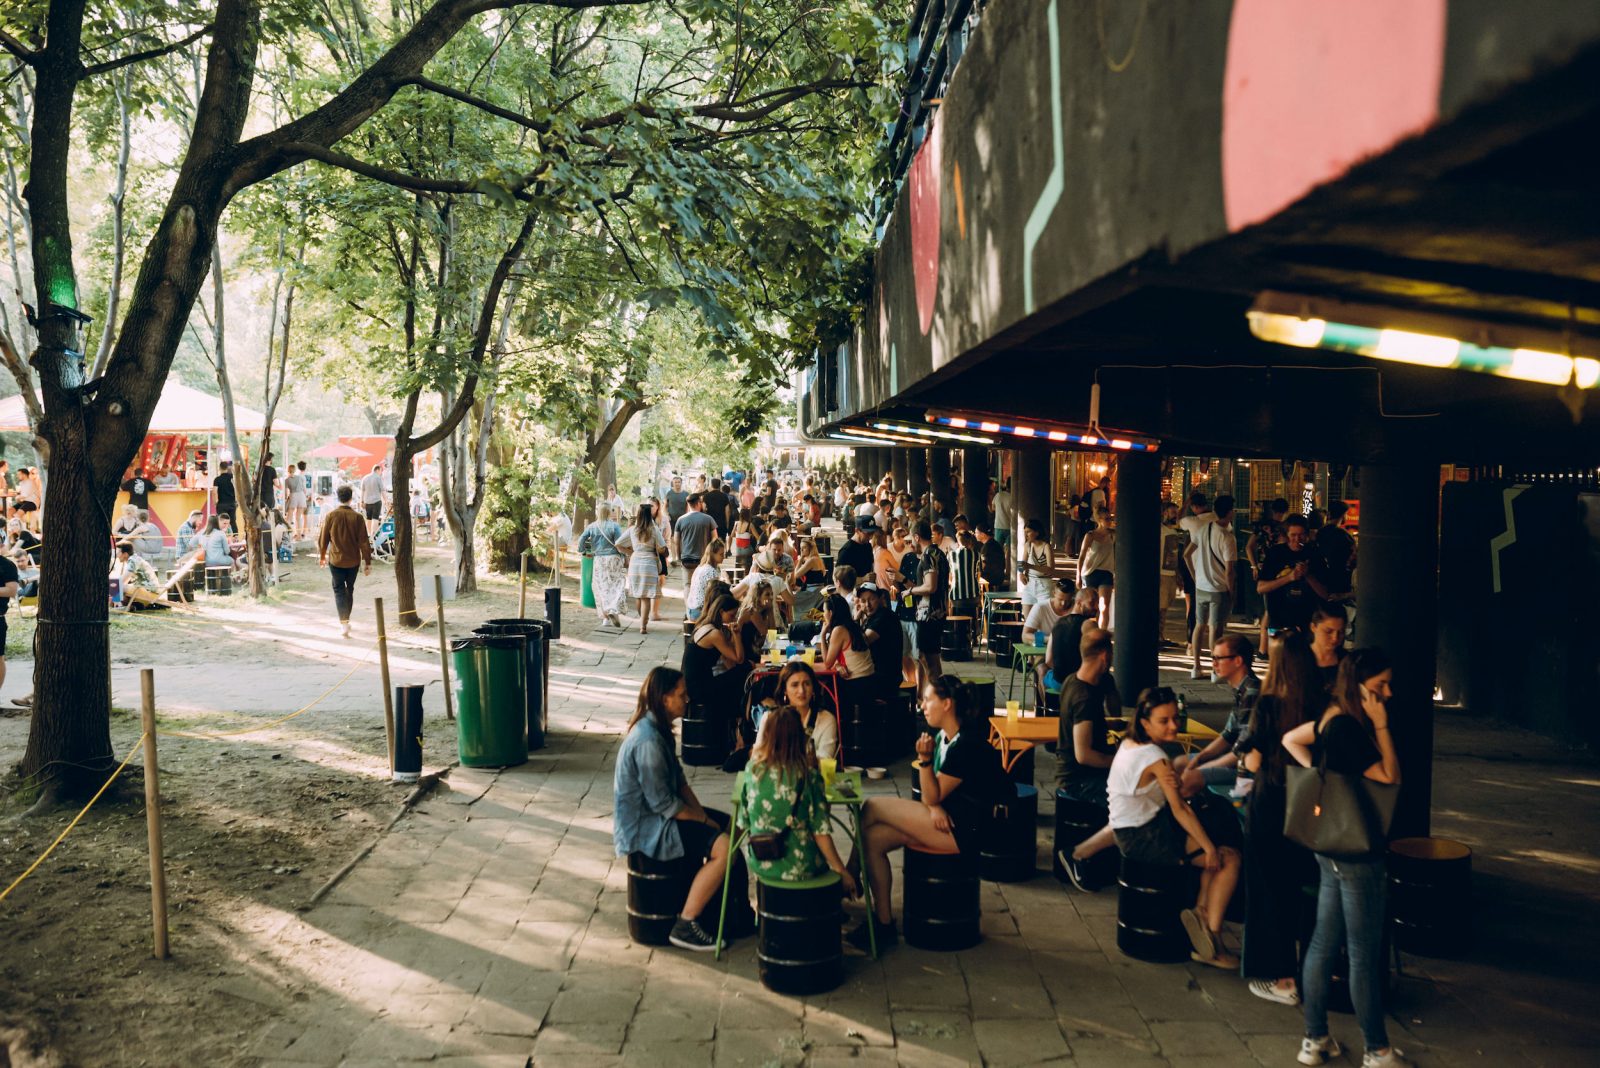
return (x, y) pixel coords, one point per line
(783, 797)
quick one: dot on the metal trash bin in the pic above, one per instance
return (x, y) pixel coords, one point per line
(407, 733)
(491, 701)
(552, 611)
(537, 652)
(586, 583)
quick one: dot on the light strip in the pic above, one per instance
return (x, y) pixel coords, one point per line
(1082, 436)
(1425, 350)
(898, 439)
(929, 432)
(867, 437)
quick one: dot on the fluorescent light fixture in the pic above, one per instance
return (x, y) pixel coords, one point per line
(1060, 434)
(872, 437)
(930, 432)
(1423, 339)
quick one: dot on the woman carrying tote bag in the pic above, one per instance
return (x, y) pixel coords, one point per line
(1345, 791)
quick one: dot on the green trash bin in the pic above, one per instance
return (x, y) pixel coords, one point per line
(586, 586)
(491, 700)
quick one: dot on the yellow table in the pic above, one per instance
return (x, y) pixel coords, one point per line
(1015, 738)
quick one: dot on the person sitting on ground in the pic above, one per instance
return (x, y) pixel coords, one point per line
(189, 533)
(962, 783)
(657, 812)
(1083, 755)
(782, 806)
(140, 586)
(797, 689)
(694, 598)
(1217, 763)
(1155, 825)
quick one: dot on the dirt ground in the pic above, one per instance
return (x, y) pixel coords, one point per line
(254, 823)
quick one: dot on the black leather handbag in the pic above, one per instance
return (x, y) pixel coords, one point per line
(1335, 814)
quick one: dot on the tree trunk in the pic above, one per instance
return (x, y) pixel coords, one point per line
(405, 540)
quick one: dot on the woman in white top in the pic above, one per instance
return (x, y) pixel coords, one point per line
(797, 688)
(1035, 568)
(1096, 559)
(1155, 825)
(694, 598)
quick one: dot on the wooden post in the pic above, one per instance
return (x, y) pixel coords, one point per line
(522, 586)
(383, 677)
(444, 647)
(152, 814)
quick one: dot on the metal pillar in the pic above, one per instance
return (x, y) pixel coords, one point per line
(1135, 599)
(939, 480)
(1398, 556)
(975, 483)
(897, 467)
(916, 471)
(1031, 490)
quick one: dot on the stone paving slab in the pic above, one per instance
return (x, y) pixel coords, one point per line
(490, 928)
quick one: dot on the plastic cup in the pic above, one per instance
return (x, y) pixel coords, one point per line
(828, 766)
(809, 656)
(1013, 711)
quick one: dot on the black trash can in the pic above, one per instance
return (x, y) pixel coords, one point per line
(537, 634)
(407, 733)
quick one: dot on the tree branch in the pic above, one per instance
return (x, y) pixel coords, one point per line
(298, 151)
(149, 53)
(18, 49)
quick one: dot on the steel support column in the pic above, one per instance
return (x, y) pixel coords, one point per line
(975, 483)
(1134, 601)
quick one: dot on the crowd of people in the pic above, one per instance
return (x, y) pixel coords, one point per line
(895, 578)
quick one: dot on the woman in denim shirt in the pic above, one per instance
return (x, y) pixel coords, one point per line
(657, 812)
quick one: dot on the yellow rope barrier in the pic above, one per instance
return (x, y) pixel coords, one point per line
(284, 719)
(84, 812)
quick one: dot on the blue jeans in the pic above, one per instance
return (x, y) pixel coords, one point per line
(1350, 909)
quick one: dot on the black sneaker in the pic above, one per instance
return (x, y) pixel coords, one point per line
(859, 937)
(1074, 869)
(687, 934)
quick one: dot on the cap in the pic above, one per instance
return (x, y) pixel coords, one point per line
(863, 587)
(866, 523)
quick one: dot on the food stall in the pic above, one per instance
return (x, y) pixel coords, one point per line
(186, 434)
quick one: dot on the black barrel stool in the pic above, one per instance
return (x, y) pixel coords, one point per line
(941, 910)
(957, 640)
(868, 728)
(1149, 899)
(1430, 896)
(705, 738)
(982, 692)
(800, 951)
(657, 889)
(1075, 821)
(1008, 854)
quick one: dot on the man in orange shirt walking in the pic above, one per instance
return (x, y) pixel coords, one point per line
(342, 547)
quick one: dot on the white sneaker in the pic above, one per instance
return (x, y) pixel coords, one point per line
(1318, 1050)
(345, 628)
(1389, 1058)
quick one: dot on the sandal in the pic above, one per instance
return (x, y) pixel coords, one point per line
(1199, 935)
(1226, 961)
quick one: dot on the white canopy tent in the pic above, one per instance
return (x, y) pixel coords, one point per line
(181, 410)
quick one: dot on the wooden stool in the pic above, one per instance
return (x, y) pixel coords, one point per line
(657, 889)
(219, 581)
(942, 910)
(1008, 854)
(800, 951)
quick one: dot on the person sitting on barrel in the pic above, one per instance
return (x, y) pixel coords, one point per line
(781, 804)
(658, 814)
(1155, 825)
(797, 689)
(962, 783)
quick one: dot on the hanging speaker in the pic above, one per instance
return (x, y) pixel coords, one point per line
(1287, 467)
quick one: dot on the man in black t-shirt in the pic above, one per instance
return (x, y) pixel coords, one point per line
(138, 489)
(9, 585)
(1336, 553)
(884, 636)
(716, 503)
(1083, 752)
(932, 592)
(269, 484)
(222, 485)
(856, 551)
(1287, 581)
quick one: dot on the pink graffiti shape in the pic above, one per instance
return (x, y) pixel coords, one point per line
(926, 171)
(1313, 87)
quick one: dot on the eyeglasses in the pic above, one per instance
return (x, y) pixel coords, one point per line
(1226, 656)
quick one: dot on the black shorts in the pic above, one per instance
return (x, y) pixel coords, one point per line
(930, 637)
(374, 510)
(27, 506)
(1097, 579)
(2, 637)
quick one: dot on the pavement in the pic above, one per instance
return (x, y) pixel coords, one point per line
(489, 927)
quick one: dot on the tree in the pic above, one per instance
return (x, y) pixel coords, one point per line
(641, 151)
